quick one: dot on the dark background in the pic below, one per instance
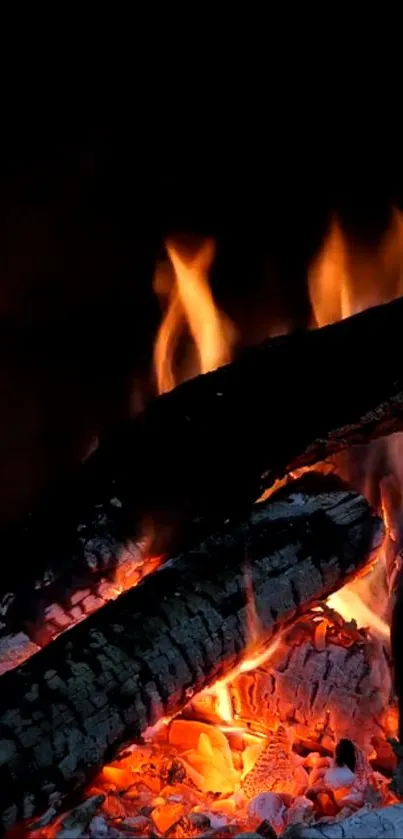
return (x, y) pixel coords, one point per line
(87, 196)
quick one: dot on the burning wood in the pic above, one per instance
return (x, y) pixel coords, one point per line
(274, 768)
(369, 823)
(136, 660)
(175, 470)
(193, 778)
(29, 621)
(325, 678)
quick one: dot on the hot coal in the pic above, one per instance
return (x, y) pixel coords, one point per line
(71, 706)
(195, 778)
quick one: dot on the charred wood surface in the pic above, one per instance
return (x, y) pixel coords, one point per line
(337, 686)
(70, 707)
(368, 823)
(204, 452)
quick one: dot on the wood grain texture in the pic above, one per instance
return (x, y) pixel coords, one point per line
(368, 823)
(204, 452)
(70, 707)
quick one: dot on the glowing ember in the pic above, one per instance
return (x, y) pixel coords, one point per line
(301, 730)
(297, 738)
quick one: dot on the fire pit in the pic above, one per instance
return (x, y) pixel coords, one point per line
(201, 646)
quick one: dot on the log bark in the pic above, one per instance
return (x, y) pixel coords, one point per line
(29, 620)
(69, 708)
(368, 823)
(203, 452)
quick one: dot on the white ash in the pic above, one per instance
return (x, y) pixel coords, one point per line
(99, 828)
(321, 688)
(77, 820)
(268, 806)
(300, 811)
(367, 823)
(14, 649)
(337, 777)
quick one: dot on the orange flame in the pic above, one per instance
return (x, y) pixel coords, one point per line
(191, 305)
(344, 280)
(350, 606)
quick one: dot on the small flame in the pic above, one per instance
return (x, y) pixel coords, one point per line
(253, 624)
(223, 702)
(191, 305)
(344, 280)
(351, 607)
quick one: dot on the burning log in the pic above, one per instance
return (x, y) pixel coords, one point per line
(368, 823)
(326, 679)
(70, 707)
(177, 472)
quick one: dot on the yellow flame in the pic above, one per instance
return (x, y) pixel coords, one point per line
(351, 607)
(223, 702)
(191, 304)
(344, 280)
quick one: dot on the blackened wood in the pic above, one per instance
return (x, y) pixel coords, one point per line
(203, 452)
(71, 706)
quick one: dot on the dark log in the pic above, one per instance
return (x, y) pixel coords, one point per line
(70, 707)
(203, 452)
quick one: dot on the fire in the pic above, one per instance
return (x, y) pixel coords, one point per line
(191, 306)
(344, 280)
(242, 753)
(273, 726)
(351, 607)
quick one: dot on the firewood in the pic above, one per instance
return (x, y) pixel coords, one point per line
(334, 677)
(368, 823)
(69, 708)
(203, 452)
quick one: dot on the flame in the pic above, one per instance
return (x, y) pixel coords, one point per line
(344, 280)
(184, 763)
(223, 702)
(191, 305)
(351, 607)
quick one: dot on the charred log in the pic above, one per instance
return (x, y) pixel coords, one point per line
(203, 452)
(368, 823)
(70, 707)
(30, 619)
(328, 682)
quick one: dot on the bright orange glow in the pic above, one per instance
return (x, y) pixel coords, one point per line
(329, 281)
(223, 702)
(191, 306)
(189, 768)
(236, 739)
(351, 607)
(344, 279)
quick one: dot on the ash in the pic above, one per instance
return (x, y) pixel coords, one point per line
(300, 739)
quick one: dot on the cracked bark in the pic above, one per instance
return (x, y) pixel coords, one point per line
(69, 709)
(378, 823)
(204, 451)
(329, 690)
